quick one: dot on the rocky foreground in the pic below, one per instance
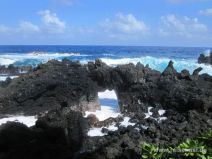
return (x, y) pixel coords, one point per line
(61, 92)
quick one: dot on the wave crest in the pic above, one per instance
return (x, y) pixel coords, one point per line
(161, 63)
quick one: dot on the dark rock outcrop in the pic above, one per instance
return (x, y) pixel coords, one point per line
(17, 141)
(205, 59)
(60, 92)
(62, 134)
(51, 85)
(138, 87)
(70, 84)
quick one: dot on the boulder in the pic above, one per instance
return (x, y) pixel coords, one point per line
(51, 85)
(169, 71)
(205, 59)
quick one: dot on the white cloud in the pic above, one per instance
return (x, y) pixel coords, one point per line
(51, 20)
(206, 12)
(124, 25)
(181, 26)
(28, 27)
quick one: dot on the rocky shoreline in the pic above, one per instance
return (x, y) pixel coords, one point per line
(161, 108)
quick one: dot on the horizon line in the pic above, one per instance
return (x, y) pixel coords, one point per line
(106, 45)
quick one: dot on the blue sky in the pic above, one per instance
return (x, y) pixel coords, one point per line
(106, 22)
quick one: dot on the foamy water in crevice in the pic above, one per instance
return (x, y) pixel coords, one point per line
(103, 114)
(161, 112)
(27, 120)
(107, 112)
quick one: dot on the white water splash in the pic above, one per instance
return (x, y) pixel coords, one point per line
(161, 63)
(107, 95)
(37, 57)
(98, 131)
(103, 114)
(27, 120)
(126, 122)
(3, 78)
(95, 132)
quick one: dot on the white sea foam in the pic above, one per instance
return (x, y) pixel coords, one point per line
(103, 114)
(154, 62)
(6, 61)
(95, 132)
(161, 118)
(106, 111)
(108, 54)
(27, 120)
(3, 78)
(38, 57)
(112, 127)
(107, 95)
(161, 63)
(41, 54)
(161, 112)
(137, 129)
(98, 131)
(144, 127)
(149, 113)
(126, 122)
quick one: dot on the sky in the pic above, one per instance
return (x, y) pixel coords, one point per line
(106, 22)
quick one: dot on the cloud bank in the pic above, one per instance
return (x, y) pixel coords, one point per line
(126, 28)
(181, 26)
(207, 12)
(124, 25)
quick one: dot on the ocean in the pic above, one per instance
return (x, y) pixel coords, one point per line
(157, 57)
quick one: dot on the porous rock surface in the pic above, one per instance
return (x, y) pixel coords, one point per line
(60, 92)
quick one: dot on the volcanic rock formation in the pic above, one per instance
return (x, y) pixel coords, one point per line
(60, 93)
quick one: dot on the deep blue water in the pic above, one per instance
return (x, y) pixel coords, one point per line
(115, 51)
(156, 57)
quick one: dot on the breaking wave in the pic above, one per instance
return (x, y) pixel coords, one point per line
(157, 63)
(161, 63)
(34, 58)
